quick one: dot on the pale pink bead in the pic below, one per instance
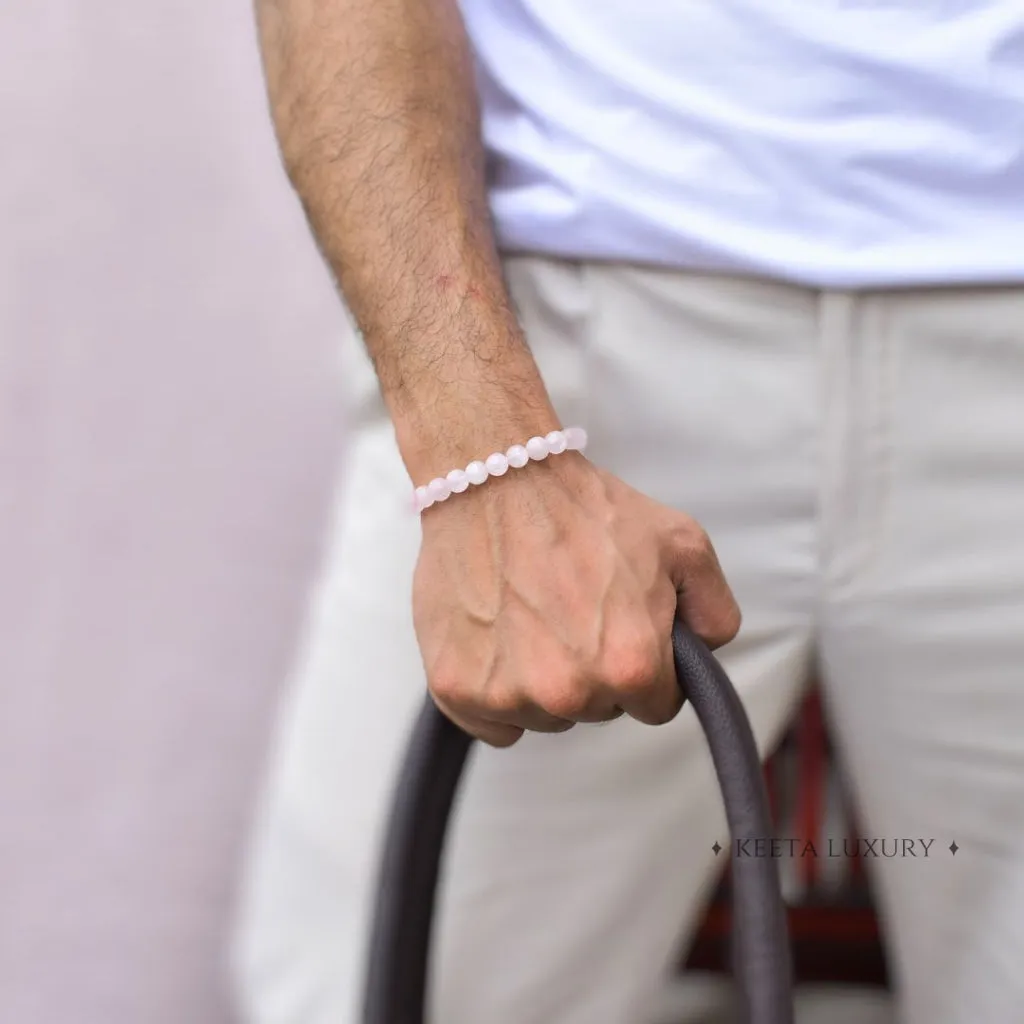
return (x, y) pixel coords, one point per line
(497, 464)
(438, 489)
(476, 472)
(422, 498)
(575, 438)
(458, 481)
(537, 448)
(517, 456)
(556, 442)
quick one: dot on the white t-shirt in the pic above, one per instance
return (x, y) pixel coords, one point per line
(837, 143)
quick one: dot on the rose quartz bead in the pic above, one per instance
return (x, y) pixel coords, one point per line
(575, 438)
(517, 456)
(537, 448)
(438, 489)
(556, 442)
(458, 481)
(497, 464)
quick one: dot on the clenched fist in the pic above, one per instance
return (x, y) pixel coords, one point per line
(546, 597)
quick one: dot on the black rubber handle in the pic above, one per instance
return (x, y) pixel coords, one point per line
(399, 950)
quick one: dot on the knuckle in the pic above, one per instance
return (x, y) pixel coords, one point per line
(633, 667)
(720, 627)
(448, 686)
(687, 533)
(693, 550)
(505, 701)
(568, 700)
(701, 548)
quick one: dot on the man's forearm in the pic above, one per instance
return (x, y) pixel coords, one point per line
(376, 113)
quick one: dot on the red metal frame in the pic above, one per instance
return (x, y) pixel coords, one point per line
(836, 936)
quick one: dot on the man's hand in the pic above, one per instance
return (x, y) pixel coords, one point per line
(546, 597)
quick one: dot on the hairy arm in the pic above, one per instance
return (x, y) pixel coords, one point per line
(375, 108)
(545, 598)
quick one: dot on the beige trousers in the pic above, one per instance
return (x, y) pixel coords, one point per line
(858, 460)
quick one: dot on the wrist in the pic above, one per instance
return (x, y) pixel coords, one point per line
(439, 445)
(466, 412)
(556, 445)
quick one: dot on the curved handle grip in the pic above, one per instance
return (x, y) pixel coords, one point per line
(399, 949)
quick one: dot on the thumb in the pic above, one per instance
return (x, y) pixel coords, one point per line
(706, 602)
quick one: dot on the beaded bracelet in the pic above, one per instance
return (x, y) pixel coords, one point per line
(536, 449)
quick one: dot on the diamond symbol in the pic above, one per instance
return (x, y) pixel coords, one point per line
(717, 849)
(953, 847)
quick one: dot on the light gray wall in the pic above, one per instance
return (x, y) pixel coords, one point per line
(169, 429)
